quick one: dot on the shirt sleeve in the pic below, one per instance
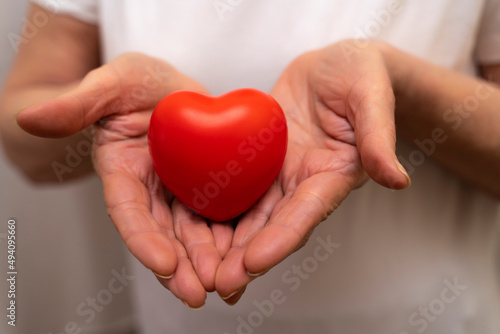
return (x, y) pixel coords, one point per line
(488, 39)
(83, 10)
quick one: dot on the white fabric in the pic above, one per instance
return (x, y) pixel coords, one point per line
(400, 251)
(84, 10)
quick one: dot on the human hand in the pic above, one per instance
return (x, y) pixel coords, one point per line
(340, 114)
(120, 97)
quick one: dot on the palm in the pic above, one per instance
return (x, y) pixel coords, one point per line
(323, 163)
(313, 152)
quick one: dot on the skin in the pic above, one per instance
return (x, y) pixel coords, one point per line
(340, 123)
(341, 116)
(51, 63)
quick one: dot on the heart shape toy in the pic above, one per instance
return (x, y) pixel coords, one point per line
(218, 155)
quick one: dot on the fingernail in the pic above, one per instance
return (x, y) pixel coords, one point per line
(256, 274)
(230, 295)
(231, 303)
(194, 308)
(404, 172)
(164, 277)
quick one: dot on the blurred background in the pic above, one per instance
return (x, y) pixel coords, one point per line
(71, 263)
(74, 273)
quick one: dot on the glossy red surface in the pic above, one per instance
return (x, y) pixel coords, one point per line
(218, 155)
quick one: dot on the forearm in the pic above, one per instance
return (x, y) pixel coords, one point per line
(41, 159)
(451, 117)
(53, 62)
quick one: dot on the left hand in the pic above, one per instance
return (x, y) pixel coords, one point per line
(340, 114)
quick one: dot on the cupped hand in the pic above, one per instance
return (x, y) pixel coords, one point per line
(339, 105)
(180, 247)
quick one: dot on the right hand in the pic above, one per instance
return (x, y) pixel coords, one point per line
(120, 97)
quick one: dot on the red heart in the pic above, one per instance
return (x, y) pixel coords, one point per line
(218, 155)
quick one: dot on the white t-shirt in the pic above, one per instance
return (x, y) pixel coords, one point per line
(412, 261)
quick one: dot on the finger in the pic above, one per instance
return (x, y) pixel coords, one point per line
(233, 299)
(184, 284)
(287, 230)
(258, 215)
(371, 101)
(146, 227)
(194, 233)
(232, 268)
(223, 235)
(311, 202)
(131, 82)
(232, 276)
(129, 207)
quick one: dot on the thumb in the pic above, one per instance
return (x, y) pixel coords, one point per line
(132, 82)
(373, 113)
